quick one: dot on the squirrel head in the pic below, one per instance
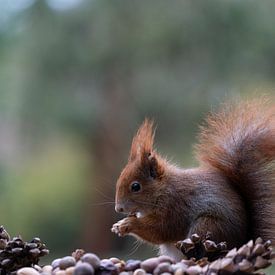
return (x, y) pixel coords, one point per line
(142, 176)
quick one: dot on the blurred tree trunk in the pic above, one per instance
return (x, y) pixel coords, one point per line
(109, 154)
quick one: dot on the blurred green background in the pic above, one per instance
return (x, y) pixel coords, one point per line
(78, 77)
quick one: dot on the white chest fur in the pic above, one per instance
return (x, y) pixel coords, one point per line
(170, 250)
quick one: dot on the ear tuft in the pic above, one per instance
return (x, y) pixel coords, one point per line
(143, 141)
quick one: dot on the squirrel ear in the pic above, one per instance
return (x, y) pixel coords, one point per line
(152, 165)
(142, 149)
(144, 140)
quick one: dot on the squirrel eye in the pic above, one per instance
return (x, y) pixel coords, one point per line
(135, 186)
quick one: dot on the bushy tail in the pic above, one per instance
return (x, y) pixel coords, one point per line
(239, 142)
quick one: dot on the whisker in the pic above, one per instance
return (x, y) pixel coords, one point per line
(107, 183)
(102, 193)
(104, 203)
(136, 246)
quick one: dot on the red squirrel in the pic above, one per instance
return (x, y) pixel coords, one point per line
(231, 194)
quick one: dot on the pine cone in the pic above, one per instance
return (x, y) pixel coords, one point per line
(16, 253)
(202, 247)
(248, 259)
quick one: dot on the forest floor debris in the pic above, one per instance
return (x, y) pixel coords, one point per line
(202, 256)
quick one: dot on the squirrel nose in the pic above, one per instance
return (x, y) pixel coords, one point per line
(119, 208)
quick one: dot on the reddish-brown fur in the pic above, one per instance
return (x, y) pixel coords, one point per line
(230, 194)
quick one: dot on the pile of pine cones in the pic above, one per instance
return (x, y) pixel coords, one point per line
(15, 253)
(201, 257)
(212, 258)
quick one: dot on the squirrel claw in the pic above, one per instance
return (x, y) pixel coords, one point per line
(122, 227)
(115, 228)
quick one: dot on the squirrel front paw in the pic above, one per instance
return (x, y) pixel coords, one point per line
(123, 227)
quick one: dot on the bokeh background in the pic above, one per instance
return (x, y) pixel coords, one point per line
(78, 77)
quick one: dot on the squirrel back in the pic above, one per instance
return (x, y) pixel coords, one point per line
(239, 143)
